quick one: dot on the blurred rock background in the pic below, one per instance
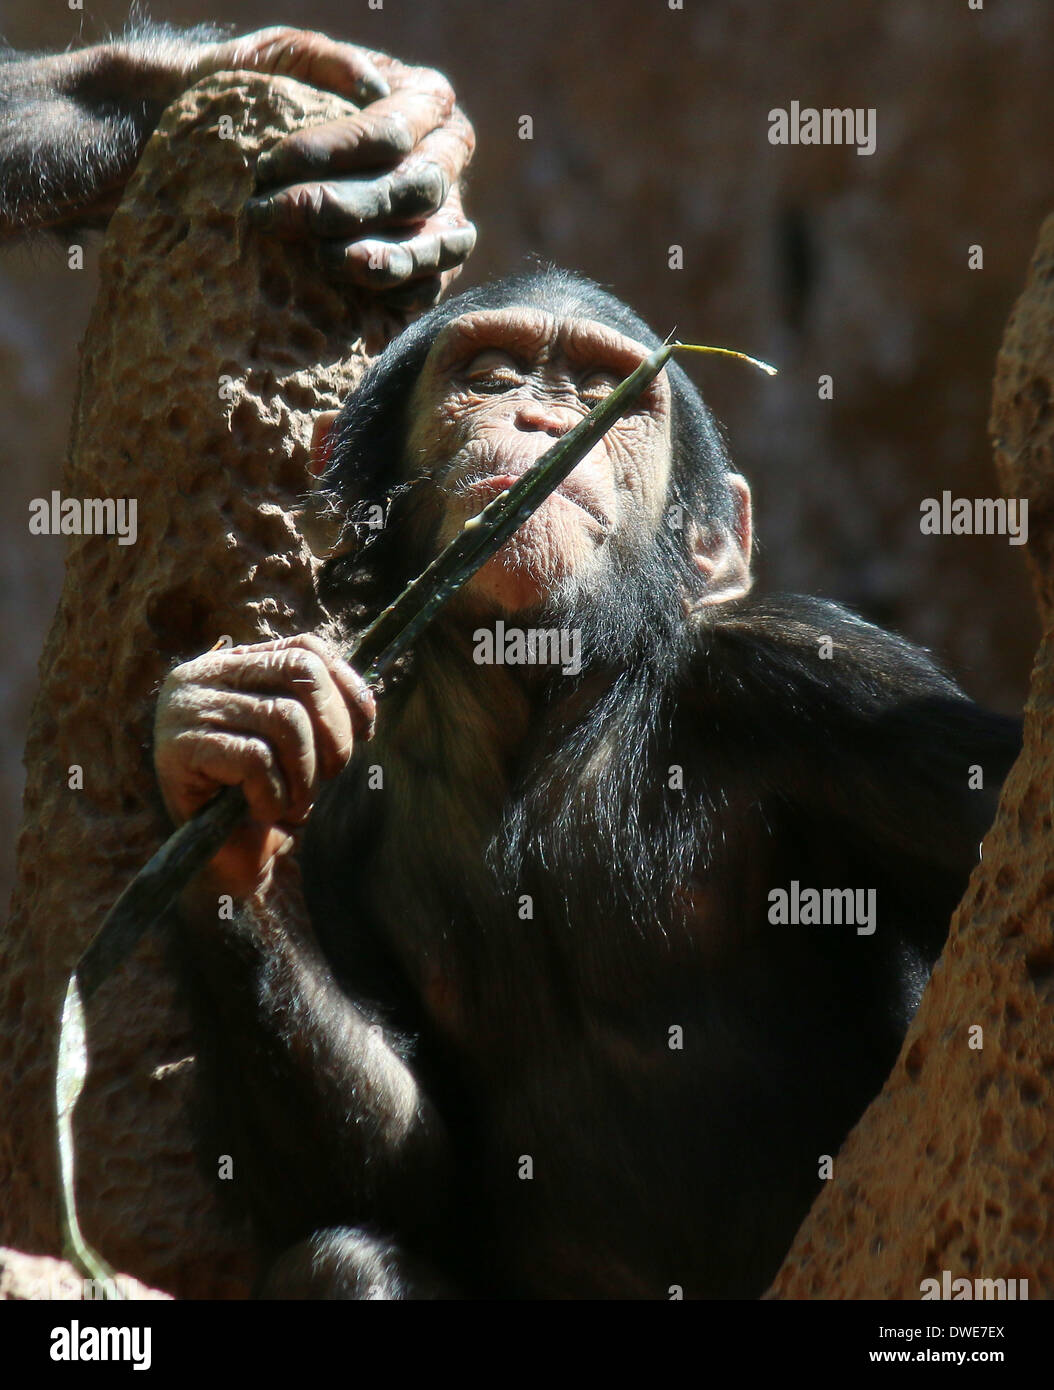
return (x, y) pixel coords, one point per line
(651, 130)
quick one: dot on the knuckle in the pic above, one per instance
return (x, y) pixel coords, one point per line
(184, 704)
(383, 195)
(188, 749)
(436, 85)
(256, 758)
(271, 34)
(464, 129)
(307, 667)
(358, 680)
(297, 722)
(309, 202)
(426, 252)
(182, 675)
(285, 720)
(268, 710)
(393, 129)
(313, 643)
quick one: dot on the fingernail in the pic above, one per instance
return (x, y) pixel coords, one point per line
(398, 266)
(371, 87)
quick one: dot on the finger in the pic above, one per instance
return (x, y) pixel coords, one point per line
(342, 68)
(380, 265)
(343, 207)
(248, 858)
(322, 441)
(304, 56)
(342, 671)
(289, 731)
(278, 681)
(451, 146)
(413, 297)
(403, 78)
(356, 695)
(372, 139)
(385, 132)
(208, 758)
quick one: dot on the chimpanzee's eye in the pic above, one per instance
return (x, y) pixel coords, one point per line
(594, 386)
(492, 371)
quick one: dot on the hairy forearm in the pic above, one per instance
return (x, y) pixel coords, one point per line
(73, 125)
(318, 1087)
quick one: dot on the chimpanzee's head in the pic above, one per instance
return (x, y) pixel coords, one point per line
(474, 392)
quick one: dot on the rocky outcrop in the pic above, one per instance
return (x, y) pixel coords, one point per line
(952, 1167)
(209, 350)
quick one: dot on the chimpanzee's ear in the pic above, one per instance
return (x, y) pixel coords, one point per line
(722, 554)
(321, 441)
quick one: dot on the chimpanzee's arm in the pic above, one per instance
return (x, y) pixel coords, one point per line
(320, 1111)
(859, 729)
(379, 190)
(72, 125)
(323, 1117)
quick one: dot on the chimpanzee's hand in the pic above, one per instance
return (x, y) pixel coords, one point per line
(379, 189)
(274, 718)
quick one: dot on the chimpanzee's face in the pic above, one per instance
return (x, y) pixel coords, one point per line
(497, 389)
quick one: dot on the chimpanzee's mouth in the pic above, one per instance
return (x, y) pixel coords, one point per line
(489, 485)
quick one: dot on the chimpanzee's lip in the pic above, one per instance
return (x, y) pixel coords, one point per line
(494, 483)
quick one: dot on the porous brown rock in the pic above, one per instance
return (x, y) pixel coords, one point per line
(209, 350)
(1022, 422)
(952, 1167)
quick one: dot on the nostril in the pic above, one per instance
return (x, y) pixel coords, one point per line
(545, 424)
(537, 419)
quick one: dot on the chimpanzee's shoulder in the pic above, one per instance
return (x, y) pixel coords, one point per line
(794, 647)
(797, 672)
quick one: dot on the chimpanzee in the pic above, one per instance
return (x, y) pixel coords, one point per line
(578, 968)
(379, 190)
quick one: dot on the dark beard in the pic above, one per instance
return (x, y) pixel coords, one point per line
(579, 819)
(631, 613)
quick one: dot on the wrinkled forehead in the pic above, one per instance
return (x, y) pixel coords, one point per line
(538, 336)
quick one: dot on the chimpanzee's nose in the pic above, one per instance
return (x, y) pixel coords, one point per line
(547, 419)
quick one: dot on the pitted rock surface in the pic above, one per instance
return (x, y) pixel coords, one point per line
(952, 1167)
(209, 350)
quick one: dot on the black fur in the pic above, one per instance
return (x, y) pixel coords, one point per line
(73, 125)
(548, 1037)
(848, 773)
